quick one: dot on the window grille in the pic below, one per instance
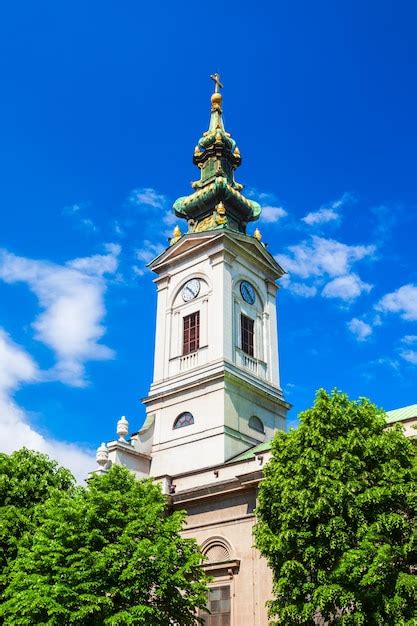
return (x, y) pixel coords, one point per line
(191, 333)
(247, 334)
(219, 606)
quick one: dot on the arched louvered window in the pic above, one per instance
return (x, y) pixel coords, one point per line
(217, 551)
(256, 424)
(184, 419)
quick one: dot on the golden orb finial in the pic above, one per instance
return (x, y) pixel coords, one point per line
(216, 100)
(176, 233)
(257, 234)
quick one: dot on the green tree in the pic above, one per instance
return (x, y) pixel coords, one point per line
(27, 478)
(107, 554)
(336, 518)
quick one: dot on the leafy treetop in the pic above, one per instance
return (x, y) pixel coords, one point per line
(336, 518)
(108, 553)
(27, 478)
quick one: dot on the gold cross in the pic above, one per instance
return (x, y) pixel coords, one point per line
(216, 78)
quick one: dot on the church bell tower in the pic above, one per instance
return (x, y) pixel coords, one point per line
(216, 388)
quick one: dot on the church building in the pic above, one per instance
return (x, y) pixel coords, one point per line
(216, 398)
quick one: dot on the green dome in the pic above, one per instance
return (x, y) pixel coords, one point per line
(217, 201)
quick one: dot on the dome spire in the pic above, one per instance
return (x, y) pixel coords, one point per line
(216, 120)
(217, 201)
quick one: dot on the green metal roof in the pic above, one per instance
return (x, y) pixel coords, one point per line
(248, 454)
(398, 415)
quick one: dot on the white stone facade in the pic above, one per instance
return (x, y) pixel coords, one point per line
(220, 385)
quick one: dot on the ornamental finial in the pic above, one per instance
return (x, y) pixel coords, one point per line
(176, 234)
(102, 455)
(216, 98)
(122, 428)
(216, 78)
(257, 234)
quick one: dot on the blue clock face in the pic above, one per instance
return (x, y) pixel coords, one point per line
(247, 291)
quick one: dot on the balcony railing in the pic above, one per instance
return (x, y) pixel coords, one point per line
(186, 362)
(255, 366)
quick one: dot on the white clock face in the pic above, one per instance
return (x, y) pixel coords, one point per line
(247, 291)
(190, 290)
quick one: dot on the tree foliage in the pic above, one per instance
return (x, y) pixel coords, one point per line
(27, 478)
(336, 518)
(107, 553)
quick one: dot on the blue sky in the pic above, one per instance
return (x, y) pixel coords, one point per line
(101, 106)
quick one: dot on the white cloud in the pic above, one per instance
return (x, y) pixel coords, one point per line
(15, 365)
(346, 198)
(138, 270)
(300, 289)
(88, 224)
(16, 368)
(409, 339)
(346, 288)
(376, 320)
(148, 197)
(156, 204)
(328, 213)
(72, 299)
(320, 257)
(272, 214)
(386, 362)
(170, 218)
(76, 210)
(145, 254)
(409, 355)
(402, 301)
(261, 196)
(322, 216)
(98, 264)
(118, 229)
(359, 328)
